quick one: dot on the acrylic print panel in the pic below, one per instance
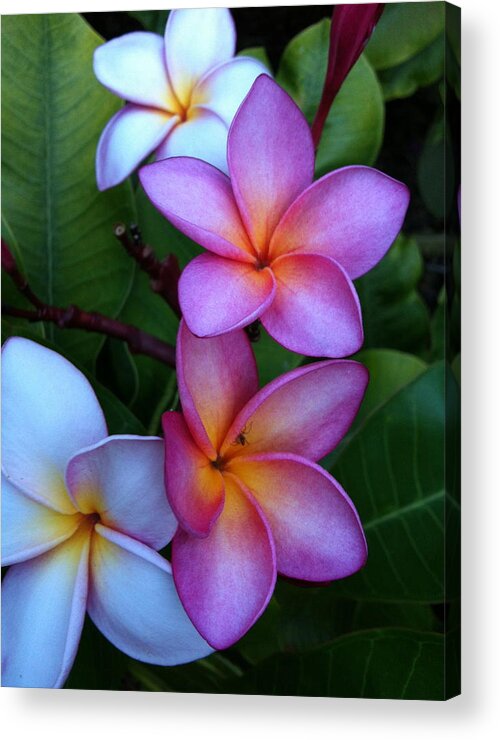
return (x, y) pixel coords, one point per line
(231, 359)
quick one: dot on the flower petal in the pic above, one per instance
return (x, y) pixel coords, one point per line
(128, 137)
(218, 295)
(29, 528)
(352, 215)
(121, 479)
(224, 88)
(203, 136)
(315, 526)
(133, 67)
(195, 488)
(198, 200)
(132, 600)
(225, 581)
(43, 607)
(49, 412)
(271, 158)
(196, 41)
(306, 411)
(216, 378)
(316, 309)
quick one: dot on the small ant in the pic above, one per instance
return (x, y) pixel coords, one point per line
(241, 439)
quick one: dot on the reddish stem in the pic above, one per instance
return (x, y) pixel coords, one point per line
(164, 274)
(73, 317)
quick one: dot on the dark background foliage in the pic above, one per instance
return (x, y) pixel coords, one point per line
(391, 631)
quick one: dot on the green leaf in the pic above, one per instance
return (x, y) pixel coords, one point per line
(421, 70)
(354, 128)
(272, 358)
(377, 664)
(259, 53)
(403, 30)
(394, 314)
(152, 20)
(435, 171)
(393, 467)
(53, 111)
(204, 676)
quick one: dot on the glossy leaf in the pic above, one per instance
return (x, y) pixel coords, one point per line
(53, 111)
(420, 70)
(394, 314)
(354, 127)
(151, 20)
(403, 31)
(377, 664)
(394, 470)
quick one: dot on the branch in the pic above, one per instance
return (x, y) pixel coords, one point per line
(72, 317)
(352, 26)
(164, 274)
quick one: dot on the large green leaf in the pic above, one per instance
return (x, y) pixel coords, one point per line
(394, 314)
(377, 664)
(394, 469)
(420, 70)
(403, 31)
(53, 111)
(354, 128)
(436, 176)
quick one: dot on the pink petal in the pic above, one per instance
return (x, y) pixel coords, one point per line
(316, 309)
(50, 411)
(43, 607)
(216, 377)
(315, 526)
(306, 411)
(218, 295)
(198, 200)
(224, 88)
(133, 67)
(129, 136)
(352, 215)
(225, 581)
(271, 158)
(203, 135)
(195, 488)
(121, 479)
(196, 40)
(132, 600)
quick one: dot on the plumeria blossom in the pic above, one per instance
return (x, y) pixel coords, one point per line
(242, 479)
(82, 517)
(182, 92)
(280, 247)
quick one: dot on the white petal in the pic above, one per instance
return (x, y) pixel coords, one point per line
(196, 41)
(133, 601)
(133, 67)
(49, 412)
(132, 134)
(122, 479)
(224, 88)
(203, 135)
(43, 607)
(30, 529)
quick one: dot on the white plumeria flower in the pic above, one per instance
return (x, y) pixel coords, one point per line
(182, 92)
(83, 515)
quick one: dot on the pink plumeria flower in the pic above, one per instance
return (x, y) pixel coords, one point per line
(82, 517)
(182, 92)
(281, 249)
(242, 480)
